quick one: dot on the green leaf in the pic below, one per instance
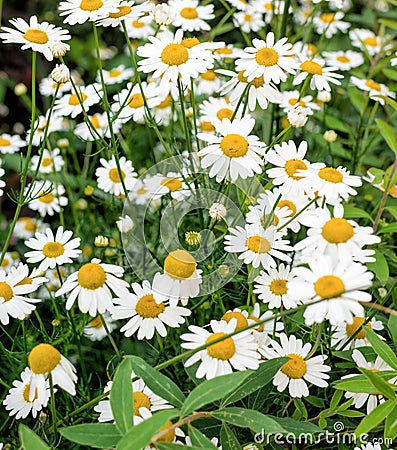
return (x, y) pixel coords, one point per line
(392, 326)
(379, 383)
(140, 435)
(336, 124)
(382, 349)
(359, 384)
(157, 382)
(295, 427)
(378, 174)
(388, 134)
(351, 212)
(248, 418)
(336, 398)
(392, 228)
(392, 210)
(389, 23)
(198, 438)
(391, 424)
(379, 267)
(388, 100)
(350, 413)
(211, 390)
(121, 400)
(97, 435)
(375, 417)
(229, 440)
(258, 379)
(30, 440)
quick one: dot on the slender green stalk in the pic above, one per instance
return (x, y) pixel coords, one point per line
(53, 408)
(110, 336)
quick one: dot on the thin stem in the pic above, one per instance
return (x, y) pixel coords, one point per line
(110, 336)
(53, 409)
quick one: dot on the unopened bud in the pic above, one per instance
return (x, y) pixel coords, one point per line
(125, 224)
(101, 241)
(59, 49)
(60, 74)
(20, 89)
(324, 97)
(330, 136)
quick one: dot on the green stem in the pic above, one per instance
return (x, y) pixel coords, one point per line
(110, 336)
(53, 409)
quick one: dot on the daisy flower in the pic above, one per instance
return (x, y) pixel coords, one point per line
(272, 287)
(109, 176)
(249, 20)
(95, 331)
(238, 352)
(48, 198)
(39, 37)
(147, 312)
(375, 89)
(291, 99)
(344, 60)
(217, 109)
(338, 284)
(352, 335)
(233, 154)
(320, 76)
(172, 183)
(330, 23)
(48, 87)
(268, 58)
(140, 193)
(52, 251)
(298, 371)
(98, 127)
(263, 332)
(268, 8)
(80, 11)
(366, 40)
(18, 401)
(27, 226)
(10, 259)
(239, 4)
(10, 144)
(73, 104)
(45, 360)
(392, 190)
(50, 161)
(227, 53)
(125, 12)
(42, 123)
(116, 75)
(188, 15)
(207, 83)
(170, 436)
(257, 246)
(140, 28)
(369, 446)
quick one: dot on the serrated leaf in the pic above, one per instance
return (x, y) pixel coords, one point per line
(388, 134)
(198, 438)
(391, 424)
(121, 400)
(379, 267)
(375, 417)
(96, 435)
(229, 440)
(382, 349)
(351, 212)
(30, 440)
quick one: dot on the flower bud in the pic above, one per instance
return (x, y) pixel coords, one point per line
(59, 49)
(297, 116)
(330, 136)
(60, 74)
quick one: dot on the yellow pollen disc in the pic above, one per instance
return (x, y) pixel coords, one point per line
(242, 322)
(292, 165)
(295, 368)
(174, 54)
(258, 244)
(278, 287)
(141, 191)
(373, 85)
(115, 176)
(266, 57)
(329, 286)
(4, 142)
(190, 42)
(141, 400)
(255, 319)
(189, 13)
(147, 307)
(224, 113)
(357, 323)
(95, 122)
(136, 24)
(247, 17)
(114, 73)
(53, 249)
(25, 394)
(166, 103)
(224, 51)
(234, 145)
(337, 231)
(241, 77)
(29, 225)
(173, 184)
(91, 276)
(327, 17)
(96, 323)
(46, 162)
(258, 81)
(312, 67)
(207, 126)
(269, 221)
(343, 59)
(36, 36)
(290, 205)
(5, 262)
(223, 350)
(312, 48)
(91, 5)
(330, 174)
(123, 11)
(74, 100)
(170, 436)
(47, 198)
(180, 264)
(371, 41)
(26, 280)
(136, 101)
(294, 101)
(209, 75)
(43, 358)
(6, 291)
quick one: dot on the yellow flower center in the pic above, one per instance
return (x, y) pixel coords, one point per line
(209, 75)
(43, 358)
(180, 264)
(224, 51)
(312, 48)
(46, 162)
(173, 184)
(25, 394)
(36, 36)
(295, 368)
(190, 42)
(327, 17)
(292, 166)
(170, 436)
(294, 101)
(174, 54)
(311, 67)
(114, 175)
(91, 5)
(96, 323)
(91, 276)
(28, 224)
(74, 99)
(189, 13)
(136, 24)
(136, 101)
(258, 244)
(53, 249)
(166, 103)
(290, 205)
(330, 174)
(242, 322)
(343, 59)
(278, 286)
(207, 126)
(329, 286)
(371, 41)
(357, 323)
(123, 11)
(4, 142)
(261, 327)
(47, 198)
(147, 307)
(141, 400)
(95, 122)
(6, 291)
(26, 280)
(373, 85)
(5, 262)
(266, 57)
(114, 73)
(223, 350)
(141, 191)
(247, 17)
(337, 231)
(241, 77)
(224, 113)
(234, 145)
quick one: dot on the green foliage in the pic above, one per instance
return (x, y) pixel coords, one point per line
(29, 440)
(121, 399)
(95, 435)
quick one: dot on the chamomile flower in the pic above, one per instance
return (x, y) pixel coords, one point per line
(217, 109)
(352, 335)
(125, 12)
(321, 75)
(52, 251)
(36, 36)
(10, 259)
(48, 198)
(268, 58)
(95, 330)
(263, 332)
(207, 83)
(344, 59)
(140, 28)
(291, 99)
(298, 371)
(140, 193)
(374, 88)
(50, 161)
(43, 125)
(268, 8)
(238, 352)
(18, 400)
(10, 143)
(257, 246)
(147, 312)
(330, 23)
(94, 286)
(73, 104)
(338, 284)
(111, 178)
(234, 153)
(366, 40)
(96, 127)
(48, 87)
(272, 287)
(172, 183)
(392, 190)
(190, 16)
(226, 53)
(249, 20)
(27, 226)
(80, 11)
(116, 75)
(33, 277)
